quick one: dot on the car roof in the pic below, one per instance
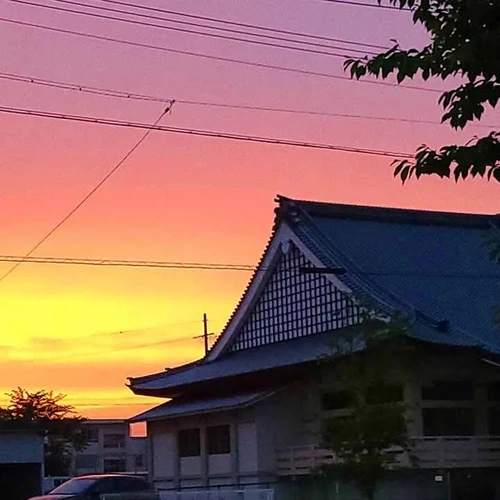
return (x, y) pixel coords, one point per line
(102, 476)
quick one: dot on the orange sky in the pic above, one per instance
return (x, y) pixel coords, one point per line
(179, 198)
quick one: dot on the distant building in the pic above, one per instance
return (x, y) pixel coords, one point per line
(110, 449)
(249, 413)
(21, 464)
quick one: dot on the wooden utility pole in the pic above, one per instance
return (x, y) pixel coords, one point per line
(205, 332)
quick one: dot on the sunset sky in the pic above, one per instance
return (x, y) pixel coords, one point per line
(83, 330)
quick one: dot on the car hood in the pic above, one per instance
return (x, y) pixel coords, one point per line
(56, 497)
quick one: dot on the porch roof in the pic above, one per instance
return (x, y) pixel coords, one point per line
(179, 407)
(266, 357)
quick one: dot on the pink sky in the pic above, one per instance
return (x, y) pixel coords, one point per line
(179, 198)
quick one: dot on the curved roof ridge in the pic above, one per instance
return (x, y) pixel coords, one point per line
(394, 214)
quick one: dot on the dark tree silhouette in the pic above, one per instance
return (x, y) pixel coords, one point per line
(46, 412)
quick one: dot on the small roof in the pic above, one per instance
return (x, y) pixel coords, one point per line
(178, 407)
(104, 421)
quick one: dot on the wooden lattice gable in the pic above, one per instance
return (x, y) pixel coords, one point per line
(283, 303)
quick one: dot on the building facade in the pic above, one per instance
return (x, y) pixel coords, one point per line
(248, 415)
(110, 448)
(21, 464)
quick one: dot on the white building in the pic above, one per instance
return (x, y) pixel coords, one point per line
(111, 448)
(248, 413)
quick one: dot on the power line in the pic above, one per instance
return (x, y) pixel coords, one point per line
(226, 267)
(203, 133)
(244, 25)
(87, 196)
(218, 28)
(120, 94)
(375, 4)
(319, 113)
(115, 333)
(211, 57)
(125, 263)
(146, 345)
(82, 88)
(184, 30)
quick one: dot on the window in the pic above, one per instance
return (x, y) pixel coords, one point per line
(448, 421)
(188, 442)
(387, 393)
(114, 465)
(448, 391)
(337, 400)
(91, 434)
(494, 421)
(494, 391)
(139, 461)
(218, 440)
(113, 441)
(129, 484)
(86, 461)
(104, 486)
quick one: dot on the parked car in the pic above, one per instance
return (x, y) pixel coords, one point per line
(51, 482)
(99, 486)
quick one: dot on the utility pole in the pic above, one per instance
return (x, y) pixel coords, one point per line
(205, 333)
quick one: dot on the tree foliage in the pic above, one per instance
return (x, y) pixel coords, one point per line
(46, 412)
(464, 44)
(364, 441)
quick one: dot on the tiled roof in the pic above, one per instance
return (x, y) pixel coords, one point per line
(433, 266)
(178, 407)
(262, 358)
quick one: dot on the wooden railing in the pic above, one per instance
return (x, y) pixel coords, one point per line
(430, 453)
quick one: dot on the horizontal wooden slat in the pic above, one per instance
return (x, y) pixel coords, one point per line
(431, 452)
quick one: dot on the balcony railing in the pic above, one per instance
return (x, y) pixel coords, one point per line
(430, 453)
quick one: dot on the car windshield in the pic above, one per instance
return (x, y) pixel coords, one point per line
(73, 486)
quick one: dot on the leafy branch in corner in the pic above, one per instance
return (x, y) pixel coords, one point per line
(464, 43)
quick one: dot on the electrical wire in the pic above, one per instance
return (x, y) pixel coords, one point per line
(203, 133)
(82, 88)
(375, 4)
(126, 263)
(145, 345)
(86, 197)
(255, 64)
(225, 30)
(114, 333)
(244, 25)
(119, 94)
(184, 30)
(223, 267)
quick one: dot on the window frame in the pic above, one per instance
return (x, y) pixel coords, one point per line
(189, 446)
(119, 438)
(447, 390)
(218, 439)
(121, 460)
(445, 418)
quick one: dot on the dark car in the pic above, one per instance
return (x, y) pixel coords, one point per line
(98, 486)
